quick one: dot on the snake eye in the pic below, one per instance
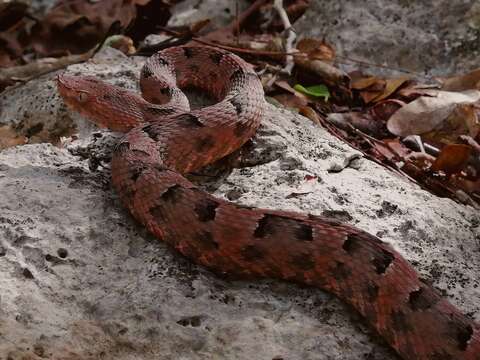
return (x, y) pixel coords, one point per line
(82, 97)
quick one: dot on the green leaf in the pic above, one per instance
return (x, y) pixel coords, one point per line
(315, 91)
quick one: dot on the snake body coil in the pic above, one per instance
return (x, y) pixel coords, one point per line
(165, 139)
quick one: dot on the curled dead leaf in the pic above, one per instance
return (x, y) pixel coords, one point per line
(467, 81)
(391, 86)
(373, 89)
(463, 120)
(290, 101)
(10, 137)
(11, 12)
(328, 73)
(367, 82)
(76, 26)
(316, 49)
(383, 110)
(358, 120)
(452, 159)
(308, 112)
(426, 113)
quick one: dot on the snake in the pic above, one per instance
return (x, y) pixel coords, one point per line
(164, 139)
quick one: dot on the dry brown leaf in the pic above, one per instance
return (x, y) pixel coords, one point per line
(364, 83)
(357, 120)
(369, 96)
(462, 82)
(463, 120)
(316, 49)
(370, 88)
(427, 113)
(77, 25)
(11, 12)
(39, 67)
(472, 142)
(391, 86)
(199, 25)
(373, 89)
(452, 159)
(291, 101)
(301, 98)
(9, 137)
(282, 84)
(327, 72)
(383, 110)
(412, 91)
(308, 112)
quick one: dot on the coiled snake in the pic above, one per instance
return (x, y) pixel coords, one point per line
(165, 139)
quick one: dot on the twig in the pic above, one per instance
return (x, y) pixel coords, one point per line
(324, 70)
(243, 16)
(470, 141)
(230, 48)
(291, 36)
(348, 60)
(24, 73)
(237, 29)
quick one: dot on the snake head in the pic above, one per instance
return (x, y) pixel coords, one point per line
(104, 104)
(78, 91)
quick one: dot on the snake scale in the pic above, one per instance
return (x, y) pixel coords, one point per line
(164, 139)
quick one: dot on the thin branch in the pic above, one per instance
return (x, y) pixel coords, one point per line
(230, 48)
(237, 23)
(291, 36)
(244, 16)
(348, 60)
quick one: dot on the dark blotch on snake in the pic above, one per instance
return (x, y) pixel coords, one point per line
(464, 334)
(252, 253)
(400, 322)
(152, 131)
(206, 209)
(216, 58)
(271, 224)
(382, 260)
(152, 110)
(166, 91)
(194, 68)
(237, 75)
(341, 271)
(213, 76)
(188, 52)
(239, 129)
(236, 103)
(372, 292)
(147, 72)
(206, 241)
(422, 299)
(172, 194)
(136, 171)
(122, 147)
(204, 144)
(189, 120)
(162, 61)
(352, 244)
(304, 262)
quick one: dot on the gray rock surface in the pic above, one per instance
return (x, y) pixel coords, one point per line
(428, 37)
(81, 280)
